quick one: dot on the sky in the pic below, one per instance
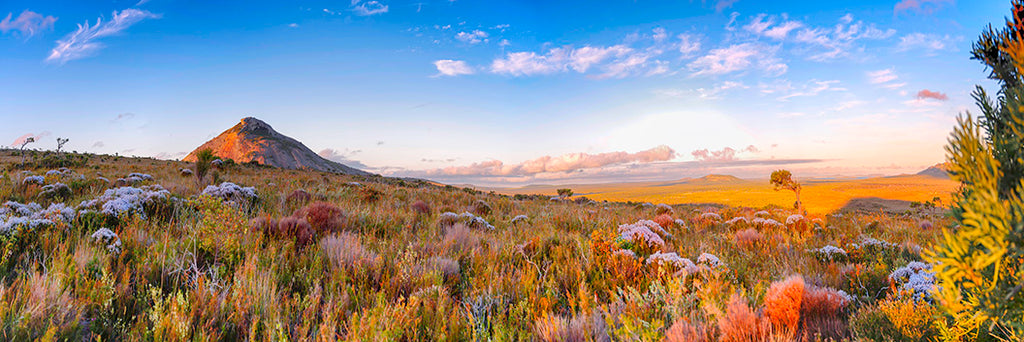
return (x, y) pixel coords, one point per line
(505, 93)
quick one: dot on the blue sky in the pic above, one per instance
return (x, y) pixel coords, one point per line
(505, 92)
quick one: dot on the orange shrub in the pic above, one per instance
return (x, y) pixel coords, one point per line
(748, 237)
(782, 303)
(740, 323)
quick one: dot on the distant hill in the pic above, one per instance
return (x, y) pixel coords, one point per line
(940, 170)
(252, 139)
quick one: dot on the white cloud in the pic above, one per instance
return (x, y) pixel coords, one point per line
(472, 37)
(530, 63)
(27, 23)
(563, 163)
(882, 76)
(712, 93)
(813, 88)
(584, 57)
(928, 43)
(659, 34)
(737, 58)
(293, 25)
(82, 43)
(837, 41)
(367, 8)
(611, 61)
(448, 67)
(688, 45)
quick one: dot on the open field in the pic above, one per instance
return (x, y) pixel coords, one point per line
(314, 256)
(819, 196)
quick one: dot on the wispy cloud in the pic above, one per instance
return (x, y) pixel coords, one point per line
(882, 76)
(563, 163)
(343, 157)
(98, 143)
(934, 95)
(83, 42)
(920, 6)
(368, 8)
(727, 154)
(27, 23)
(927, 43)
(721, 5)
(710, 93)
(472, 37)
(34, 136)
(813, 88)
(739, 58)
(448, 67)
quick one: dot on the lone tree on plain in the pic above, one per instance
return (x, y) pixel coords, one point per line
(203, 160)
(564, 193)
(27, 141)
(60, 144)
(783, 180)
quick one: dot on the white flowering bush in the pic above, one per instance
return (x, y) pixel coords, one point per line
(450, 219)
(763, 214)
(520, 219)
(710, 261)
(138, 177)
(32, 215)
(794, 219)
(126, 200)
(916, 279)
(641, 233)
(673, 261)
(766, 223)
(231, 192)
(107, 238)
(711, 217)
(737, 220)
(38, 180)
(829, 253)
(56, 190)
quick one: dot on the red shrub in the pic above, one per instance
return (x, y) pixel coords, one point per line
(298, 197)
(683, 331)
(821, 314)
(296, 228)
(265, 225)
(748, 238)
(323, 217)
(782, 303)
(665, 220)
(420, 207)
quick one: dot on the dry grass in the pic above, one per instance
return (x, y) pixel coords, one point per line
(371, 262)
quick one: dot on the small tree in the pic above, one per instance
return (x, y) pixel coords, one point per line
(27, 141)
(203, 160)
(783, 180)
(564, 193)
(60, 144)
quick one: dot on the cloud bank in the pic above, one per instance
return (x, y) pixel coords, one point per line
(563, 163)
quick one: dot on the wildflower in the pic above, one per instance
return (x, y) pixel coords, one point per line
(916, 279)
(624, 252)
(663, 208)
(710, 261)
(829, 253)
(713, 217)
(108, 238)
(231, 192)
(641, 231)
(673, 259)
(56, 190)
(519, 218)
(40, 180)
(126, 200)
(736, 220)
(794, 219)
(763, 213)
(186, 172)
